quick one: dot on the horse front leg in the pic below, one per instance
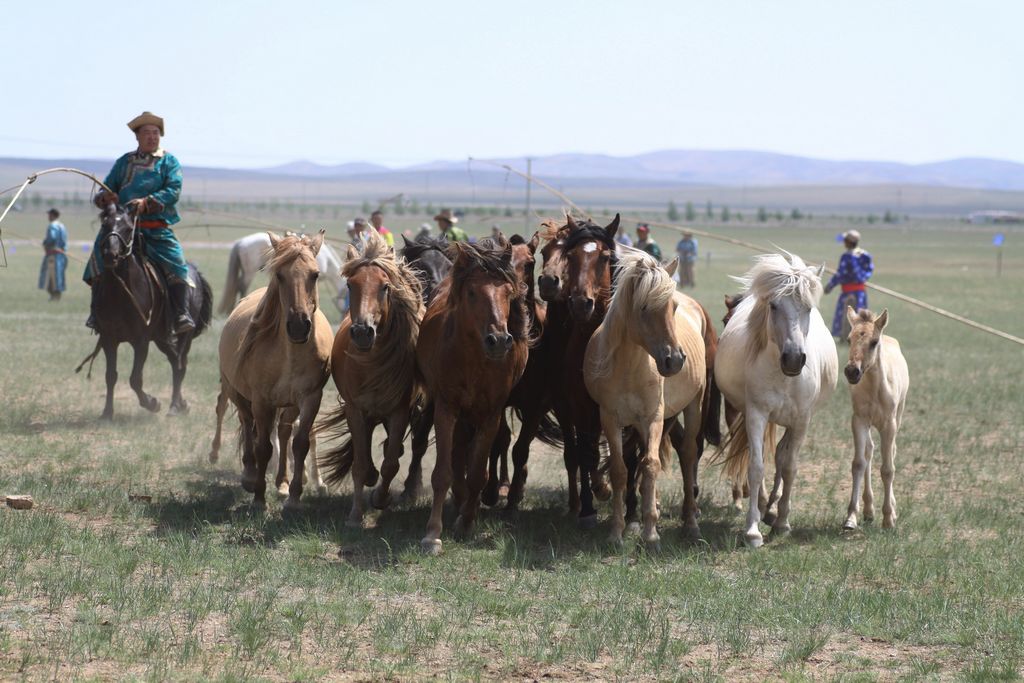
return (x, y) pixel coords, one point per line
(397, 423)
(756, 423)
(148, 402)
(222, 406)
(264, 419)
(888, 434)
(361, 431)
(285, 426)
(861, 434)
(651, 467)
(688, 457)
(110, 354)
(441, 479)
(420, 440)
(786, 459)
(617, 471)
(521, 455)
(476, 470)
(179, 366)
(498, 457)
(308, 409)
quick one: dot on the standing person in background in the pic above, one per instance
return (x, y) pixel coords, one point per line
(377, 221)
(357, 230)
(646, 242)
(55, 262)
(622, 240)
(686, 249)
(446, 223)
(855, 268)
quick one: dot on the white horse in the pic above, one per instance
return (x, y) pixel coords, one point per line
(879, 379)
(249, 255)
(777, 364)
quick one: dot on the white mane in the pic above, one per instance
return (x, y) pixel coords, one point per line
(774, 276)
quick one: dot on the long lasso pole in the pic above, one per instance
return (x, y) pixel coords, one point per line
(763, 249)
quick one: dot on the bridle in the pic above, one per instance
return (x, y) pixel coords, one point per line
(129, 249)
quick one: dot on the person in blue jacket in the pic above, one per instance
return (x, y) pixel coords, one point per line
(855, 268)
(148, 182)
(55, 262)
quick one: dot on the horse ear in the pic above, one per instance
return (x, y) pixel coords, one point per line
(851, 315)
(274, 240)
(612, 227)
(820, 270)
(406, 241)
(317, 241)
(569, 222)
(882, 320)
(671, 267)
(534, 242)
(351, 254)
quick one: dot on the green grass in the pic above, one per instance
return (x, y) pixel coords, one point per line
(194, 584)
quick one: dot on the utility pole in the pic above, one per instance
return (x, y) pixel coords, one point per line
(529, 184)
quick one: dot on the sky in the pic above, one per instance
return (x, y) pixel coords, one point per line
(252, 84)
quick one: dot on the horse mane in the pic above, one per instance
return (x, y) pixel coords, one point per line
(267, 317)
(586, 231)
(772, 277)
(392, 362)
(422, 244)
(494, 263)
(641, 281)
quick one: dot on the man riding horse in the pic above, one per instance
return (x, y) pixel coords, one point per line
(148, 182)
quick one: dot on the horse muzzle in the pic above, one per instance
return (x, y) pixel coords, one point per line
(363, 336)
(670, 361)
(547, 285)
(299, 329)
(497, 345)
(853, 373)
(582, 308)
(792, 362)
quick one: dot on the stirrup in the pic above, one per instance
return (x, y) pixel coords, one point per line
(184, 325)
(90, 322)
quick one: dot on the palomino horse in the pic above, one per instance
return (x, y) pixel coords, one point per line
(646, 364)
(249, 256)
(879, 380)
(275, 352)
(472, 349)
(777, 365)
(132, 308)
(374, 366)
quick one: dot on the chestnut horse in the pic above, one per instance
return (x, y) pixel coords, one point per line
(374, 366)
(472, 349)
(275, 352)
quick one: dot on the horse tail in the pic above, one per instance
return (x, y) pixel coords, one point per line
(231, 286)
(548, 430)
(337, 462)
(205, 303)
(736, 449)
(711, 402)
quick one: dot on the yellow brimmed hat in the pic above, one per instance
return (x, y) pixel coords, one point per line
(146, 118)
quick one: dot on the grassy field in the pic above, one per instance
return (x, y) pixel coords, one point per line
(140, 560)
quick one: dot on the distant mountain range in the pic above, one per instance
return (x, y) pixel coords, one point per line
(723, 168)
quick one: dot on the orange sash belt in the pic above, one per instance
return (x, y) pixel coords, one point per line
(854, 287)
(152, 225)
(51, 252)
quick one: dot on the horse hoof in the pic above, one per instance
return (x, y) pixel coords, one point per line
(633, 528)
(150, 403)
(588, 522)
(869, 515)
(601, 490)
(754, 540)
(108, 417)
(380, 499)
(692, 533)
(889, 523)
(354, 522)
(489, 496)
(653, 546)
(615, 538)
(282, 489)
(175, 410)
(214, 457)
(850, 525)
(769, 518)
(503, 491)
(371, 477)
(431, 547)
(292, 504)
(781, 531)
(258, 505)
(462, 527)
(249, 482)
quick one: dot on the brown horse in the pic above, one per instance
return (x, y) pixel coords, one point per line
(275, 353)
(472, 349)
(132, 308)
(374, 367)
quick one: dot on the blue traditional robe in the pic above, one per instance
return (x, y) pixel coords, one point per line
(155, 176)
(51, 273)
(855, 268)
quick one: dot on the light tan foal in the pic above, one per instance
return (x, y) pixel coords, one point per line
(879, 379)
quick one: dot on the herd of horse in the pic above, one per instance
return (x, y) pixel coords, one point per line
(449, 338)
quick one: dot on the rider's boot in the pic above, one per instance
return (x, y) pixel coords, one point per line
(183, 323)
(91, 320)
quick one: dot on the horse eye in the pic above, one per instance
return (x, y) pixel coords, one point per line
(874, 343)
(316, 276)
(280, 277)
(774, 306)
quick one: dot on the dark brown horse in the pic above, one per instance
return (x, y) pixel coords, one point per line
(472, 349)
(132, 308)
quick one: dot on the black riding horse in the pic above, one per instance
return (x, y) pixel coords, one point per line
(132, 307)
